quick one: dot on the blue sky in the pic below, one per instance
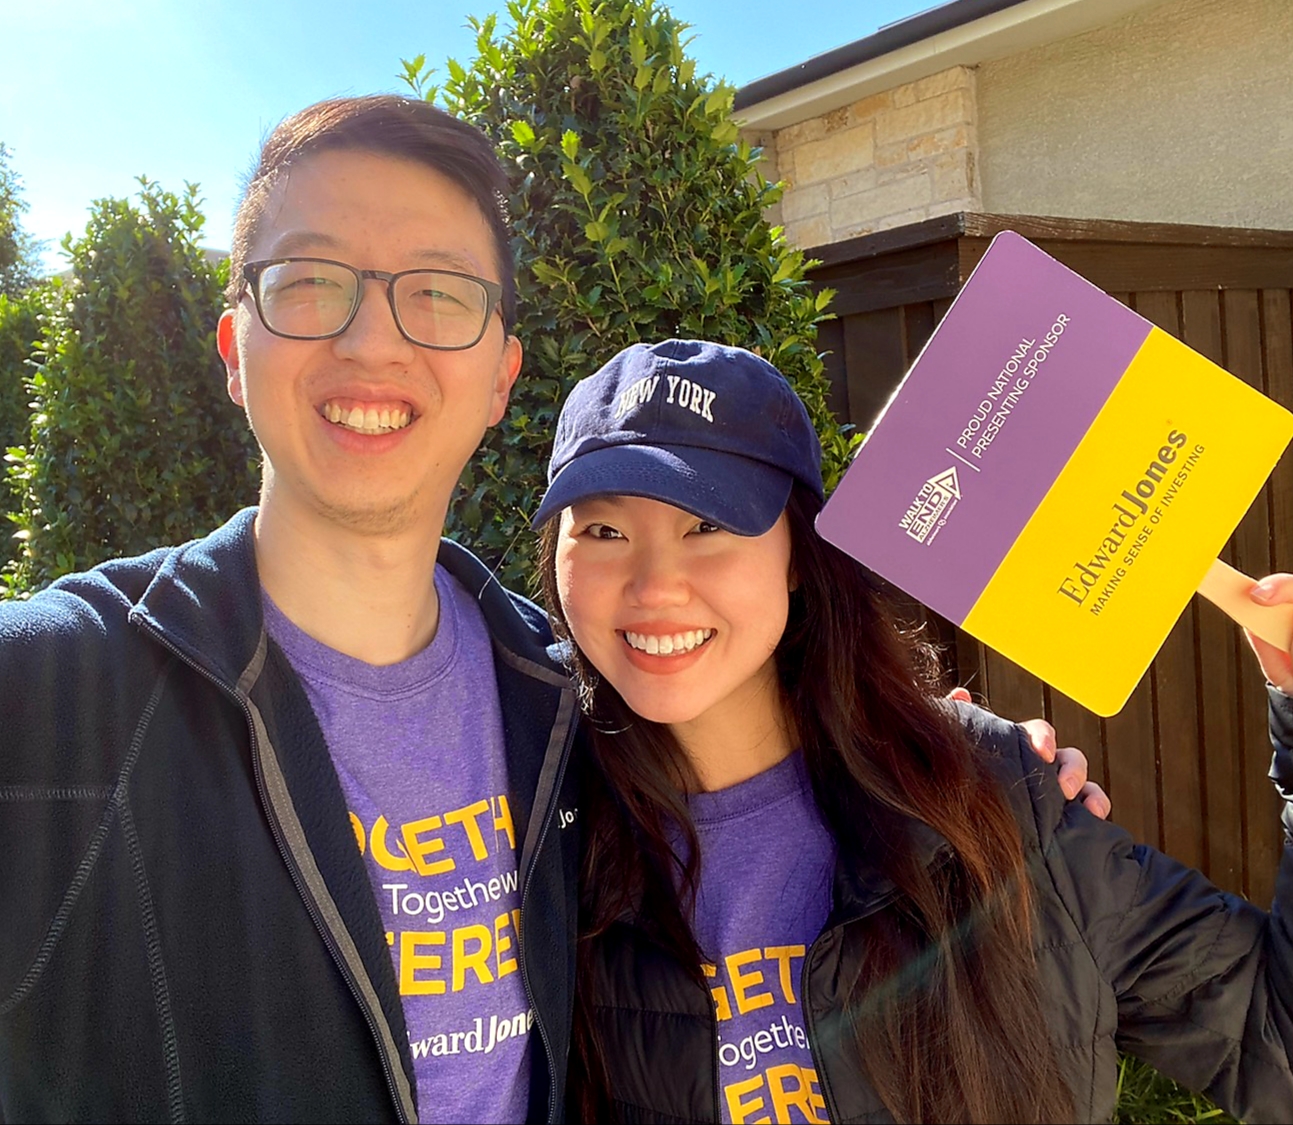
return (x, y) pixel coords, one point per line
(95, 93)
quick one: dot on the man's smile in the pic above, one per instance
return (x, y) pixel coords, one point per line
(380, 417)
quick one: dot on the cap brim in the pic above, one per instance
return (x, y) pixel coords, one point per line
(739, 494)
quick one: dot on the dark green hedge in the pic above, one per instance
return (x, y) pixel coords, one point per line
(133, 441)
(19, 329)
(639, 215)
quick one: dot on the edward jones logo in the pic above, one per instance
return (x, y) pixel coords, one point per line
(933, 504)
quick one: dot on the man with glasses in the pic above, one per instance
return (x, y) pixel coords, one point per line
(275, 802)
(287, 825)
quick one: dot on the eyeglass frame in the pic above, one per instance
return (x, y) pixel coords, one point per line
(251, 273)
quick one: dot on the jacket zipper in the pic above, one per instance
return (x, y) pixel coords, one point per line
(525, 894)
(832, 1113)
(832, 1110)
(290, 862)
(718, 1066)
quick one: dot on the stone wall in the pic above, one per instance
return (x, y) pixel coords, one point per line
(892, 158)
(1176, 113)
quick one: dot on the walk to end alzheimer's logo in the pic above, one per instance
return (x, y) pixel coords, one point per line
(932, 506)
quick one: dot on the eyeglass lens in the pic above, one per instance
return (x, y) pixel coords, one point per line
(311, 299)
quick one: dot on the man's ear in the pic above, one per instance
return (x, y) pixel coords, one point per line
(509, 367)
(227, 346)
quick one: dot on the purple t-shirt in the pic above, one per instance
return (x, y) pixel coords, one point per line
(767, 864)
(418, 747)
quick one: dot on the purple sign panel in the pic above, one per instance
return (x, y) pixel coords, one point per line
(977, 432)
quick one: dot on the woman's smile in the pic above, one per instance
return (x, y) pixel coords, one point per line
(664, 653)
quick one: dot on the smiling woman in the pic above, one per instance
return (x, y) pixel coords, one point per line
(801, 862)
(682, 617)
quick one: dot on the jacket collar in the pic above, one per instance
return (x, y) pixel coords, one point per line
(515, 623)
(205, 601)
(861, 885)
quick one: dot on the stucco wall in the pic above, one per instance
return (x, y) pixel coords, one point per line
(1181, 113)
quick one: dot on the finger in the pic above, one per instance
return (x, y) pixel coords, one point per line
(1073, 770)
(1276, 664)
(959, 695)
(1275, 660)
(1274, 589)
(1095, 800)
(1042, 735)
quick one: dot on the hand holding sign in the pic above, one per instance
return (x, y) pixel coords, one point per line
(1231, 592)
(1274, 653)
(1056, 475)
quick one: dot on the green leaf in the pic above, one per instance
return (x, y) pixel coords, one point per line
(577, 177)
(523, 133)
(612, 203)
(786, 269)
(718, 100)
(570, 144)
(726, 133)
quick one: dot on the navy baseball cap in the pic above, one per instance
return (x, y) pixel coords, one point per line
(714, 430)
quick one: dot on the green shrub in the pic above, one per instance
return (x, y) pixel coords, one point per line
(133, 441)
(19, 251)
(638, 214)
(19, 329)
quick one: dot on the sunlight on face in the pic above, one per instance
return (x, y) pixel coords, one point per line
(681, 617)
(366, 430)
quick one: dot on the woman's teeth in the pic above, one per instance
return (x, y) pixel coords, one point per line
(669, 644)
(370, 421)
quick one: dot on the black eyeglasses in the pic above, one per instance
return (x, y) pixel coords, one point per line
(316, 299)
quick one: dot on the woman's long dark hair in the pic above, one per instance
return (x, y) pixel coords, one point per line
(962, 1039)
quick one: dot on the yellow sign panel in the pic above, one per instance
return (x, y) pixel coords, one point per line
(1095, 581)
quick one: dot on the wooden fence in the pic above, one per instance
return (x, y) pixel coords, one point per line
(1185, 760)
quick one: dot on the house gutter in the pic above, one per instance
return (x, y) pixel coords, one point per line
(960, 33)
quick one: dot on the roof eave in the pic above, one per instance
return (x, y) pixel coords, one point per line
(962, 33)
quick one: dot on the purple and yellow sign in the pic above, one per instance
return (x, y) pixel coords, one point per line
(1056, 475)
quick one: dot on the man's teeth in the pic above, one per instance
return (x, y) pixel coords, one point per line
(667, 645)
(369, 421)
